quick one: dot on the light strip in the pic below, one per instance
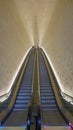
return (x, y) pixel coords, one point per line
(50, 62)
(67, 98)
(18, 69)
(14, 77)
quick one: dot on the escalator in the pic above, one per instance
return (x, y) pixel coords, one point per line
(34, 111)
(35, 103)
(51, 115)
(18, 115)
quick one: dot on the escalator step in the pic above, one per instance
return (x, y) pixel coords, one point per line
(47, 94)
(22, 101)
(48, 101)
(46, 90)
(24, 90)
(47, 98)
(26, 84)
(23, 94)
(21, 98)
(20, 105)
(44, 96)
(49, 109)
(20, 109)
(49, 104)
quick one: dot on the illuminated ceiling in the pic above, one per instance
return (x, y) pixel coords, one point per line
(41, 9)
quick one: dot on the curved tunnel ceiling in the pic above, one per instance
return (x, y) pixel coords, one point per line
(35, 13)
(47, 23)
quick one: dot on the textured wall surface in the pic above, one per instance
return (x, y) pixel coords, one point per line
(58, 43)
(14, 42)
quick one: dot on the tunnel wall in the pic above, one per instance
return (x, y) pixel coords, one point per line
(14, 42)
(58, 43)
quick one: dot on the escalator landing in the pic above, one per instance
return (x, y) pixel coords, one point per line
(16, 118)
(13, 128)
(56, 128)
(53, 118)
(43, 128)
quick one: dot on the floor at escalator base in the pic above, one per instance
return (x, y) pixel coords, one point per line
(56, 127)
(53, 118)
(13, 128)
(16, 119)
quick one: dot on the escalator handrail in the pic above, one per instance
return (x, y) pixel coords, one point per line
(56, 89)
(34, 103)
